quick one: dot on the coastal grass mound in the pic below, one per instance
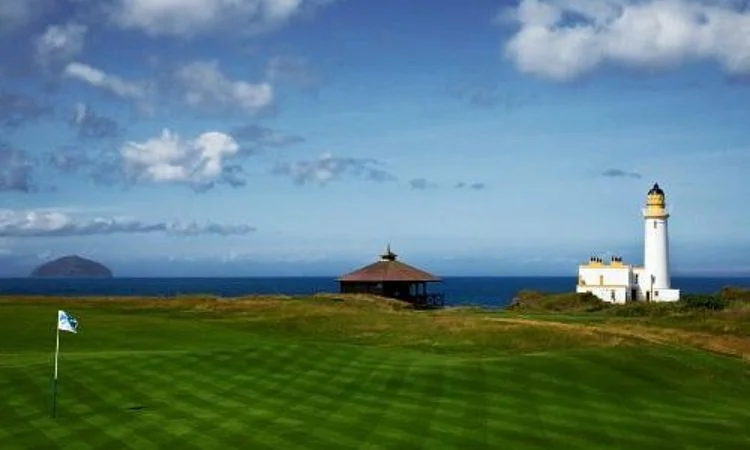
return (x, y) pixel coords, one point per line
(718, 322)
(733, 299)
(343, 372)
(728, 304)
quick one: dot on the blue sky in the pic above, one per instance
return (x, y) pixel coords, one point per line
(298, 137)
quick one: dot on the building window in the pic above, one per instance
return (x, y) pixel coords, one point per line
(601, 280)
(636, 278)
(656, 293)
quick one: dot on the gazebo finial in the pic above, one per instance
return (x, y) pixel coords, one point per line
(388, 255)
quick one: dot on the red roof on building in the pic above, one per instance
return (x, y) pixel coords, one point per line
(388, 269)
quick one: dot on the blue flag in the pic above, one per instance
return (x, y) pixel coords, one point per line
(66, 322)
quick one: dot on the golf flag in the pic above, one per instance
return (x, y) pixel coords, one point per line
(66, 322)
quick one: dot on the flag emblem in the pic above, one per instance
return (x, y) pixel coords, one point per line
(66, 322)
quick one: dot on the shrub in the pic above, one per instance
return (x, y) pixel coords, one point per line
(734, 294)
(704, 302)
(564, 302)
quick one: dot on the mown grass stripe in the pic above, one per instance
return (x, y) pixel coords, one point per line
(369, 417)
(315, 407)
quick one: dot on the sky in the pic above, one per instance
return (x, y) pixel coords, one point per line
(299, 137)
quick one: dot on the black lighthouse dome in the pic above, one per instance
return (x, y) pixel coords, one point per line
(656, 190)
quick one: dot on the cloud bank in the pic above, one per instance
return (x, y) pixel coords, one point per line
(188, 18)
(16, 169)
(59, 44)
(562, 40)
(17, 110)
(292, 70)
(328, 167)
(18, 13)
(206, 86)
(47, 223)
(265, 137)
(91, 125)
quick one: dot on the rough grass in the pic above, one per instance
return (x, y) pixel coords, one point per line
(732, 299)
(342, 372)
(355, 319)
(718, 322)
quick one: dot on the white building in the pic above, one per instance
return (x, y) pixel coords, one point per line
(617, 282)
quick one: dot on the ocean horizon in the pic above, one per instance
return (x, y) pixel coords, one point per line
(493, 292)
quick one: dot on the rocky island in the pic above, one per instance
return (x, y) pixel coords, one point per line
(72, 266)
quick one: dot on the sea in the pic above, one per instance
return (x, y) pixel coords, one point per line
(488, 292)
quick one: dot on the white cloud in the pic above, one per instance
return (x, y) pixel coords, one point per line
(60, 43)
(565, 39)
(192, 17)
(206, 86)
(170, 159)
(105, 81)
(50, 222)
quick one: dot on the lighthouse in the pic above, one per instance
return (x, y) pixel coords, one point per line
(656, 286)
(656, 241)
(618, 282)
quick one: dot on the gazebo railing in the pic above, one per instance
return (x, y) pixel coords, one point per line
(430, 300)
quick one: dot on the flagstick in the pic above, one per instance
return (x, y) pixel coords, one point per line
(54, 381)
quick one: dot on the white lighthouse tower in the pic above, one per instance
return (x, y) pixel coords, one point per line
(655, 286)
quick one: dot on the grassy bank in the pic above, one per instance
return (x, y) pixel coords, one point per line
(727, 311)
(358, 372)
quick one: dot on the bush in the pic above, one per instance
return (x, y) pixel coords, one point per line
(704, 302)
(689, 304)
(565, 302)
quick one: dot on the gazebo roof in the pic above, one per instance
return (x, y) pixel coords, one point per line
(388, 269)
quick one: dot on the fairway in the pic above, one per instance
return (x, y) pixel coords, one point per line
(158, 378)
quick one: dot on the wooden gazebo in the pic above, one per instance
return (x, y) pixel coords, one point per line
(391, 278)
